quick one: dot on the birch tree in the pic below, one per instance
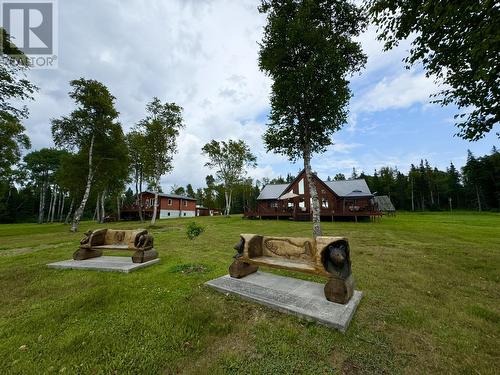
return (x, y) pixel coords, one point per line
(160, 129)
(229, 160)
(309, 52)
(88, 126)
(137, 154)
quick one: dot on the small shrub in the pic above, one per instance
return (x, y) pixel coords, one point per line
(193, 230)
(189, 268)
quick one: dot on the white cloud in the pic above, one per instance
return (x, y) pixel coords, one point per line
(400, 91)
(200, 54)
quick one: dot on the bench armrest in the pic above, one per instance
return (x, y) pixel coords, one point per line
(93, 238)
(143, 240)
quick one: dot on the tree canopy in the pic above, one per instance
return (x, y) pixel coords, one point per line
(458, 43)
(160, 129)
(91, 128)
(14, 88)
(229, 160)
(309, 51)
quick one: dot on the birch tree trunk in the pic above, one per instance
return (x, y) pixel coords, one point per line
(103, 214)
(227, 196)
(316, 215)
(41, 210)
(70, 211)
(61, 212)
(155, 207)
(79, 211)
(54, 204)
(138, 194)
(50, 204)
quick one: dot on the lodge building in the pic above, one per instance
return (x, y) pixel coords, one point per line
(169, 206)
(349, 198)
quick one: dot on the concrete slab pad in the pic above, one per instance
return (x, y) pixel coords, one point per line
(297, 297)
(109, 264)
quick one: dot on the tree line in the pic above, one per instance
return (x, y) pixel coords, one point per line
(476, 186)
(309, 50)
(94, 160)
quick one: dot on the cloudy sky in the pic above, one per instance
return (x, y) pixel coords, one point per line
(202, 54)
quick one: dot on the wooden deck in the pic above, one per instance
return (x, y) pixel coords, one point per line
(307, 216)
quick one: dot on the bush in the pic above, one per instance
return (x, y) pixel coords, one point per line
(193, 230)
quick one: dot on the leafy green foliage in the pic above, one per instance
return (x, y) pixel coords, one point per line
(12, 141)
(193, 230)
(14, 88)
(94, 117)
(458, 43)
(308, 50)
(160, 129)
(92, 129)
(229, 159)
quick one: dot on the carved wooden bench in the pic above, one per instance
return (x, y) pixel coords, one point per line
(139, 241)
(323, 256)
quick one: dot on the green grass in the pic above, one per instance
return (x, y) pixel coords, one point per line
(431, 303)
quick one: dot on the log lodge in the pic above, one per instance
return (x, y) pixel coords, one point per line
(349, 198)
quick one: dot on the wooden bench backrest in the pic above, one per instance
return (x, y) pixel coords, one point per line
(121, 237)
(303, 249)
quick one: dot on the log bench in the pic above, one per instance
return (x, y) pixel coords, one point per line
(139, 241)
(323, 256)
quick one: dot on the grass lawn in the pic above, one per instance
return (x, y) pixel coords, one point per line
(431, 303)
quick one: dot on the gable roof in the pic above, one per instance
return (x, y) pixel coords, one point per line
(171, 196)
(272, 191)
(384, 203)
(347, 189)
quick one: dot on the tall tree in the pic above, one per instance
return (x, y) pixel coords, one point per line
(458, 43)
(309, 51)
(136, 142)
(42, 167)
(190, 191)
(111, 167)
(14, 88)
(89, 126)
(161, 129)
(229, 159)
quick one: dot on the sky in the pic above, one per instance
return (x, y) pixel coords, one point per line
(202, 55)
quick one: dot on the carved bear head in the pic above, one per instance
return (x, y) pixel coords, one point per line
(336, 259)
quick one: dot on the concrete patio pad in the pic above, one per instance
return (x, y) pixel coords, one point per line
(109, 264)
(297, 297)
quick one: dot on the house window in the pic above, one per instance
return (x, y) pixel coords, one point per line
(324, 203)
(302, 204)
(185, 203)
(273, 204)
(301, 186)
(170, 202)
